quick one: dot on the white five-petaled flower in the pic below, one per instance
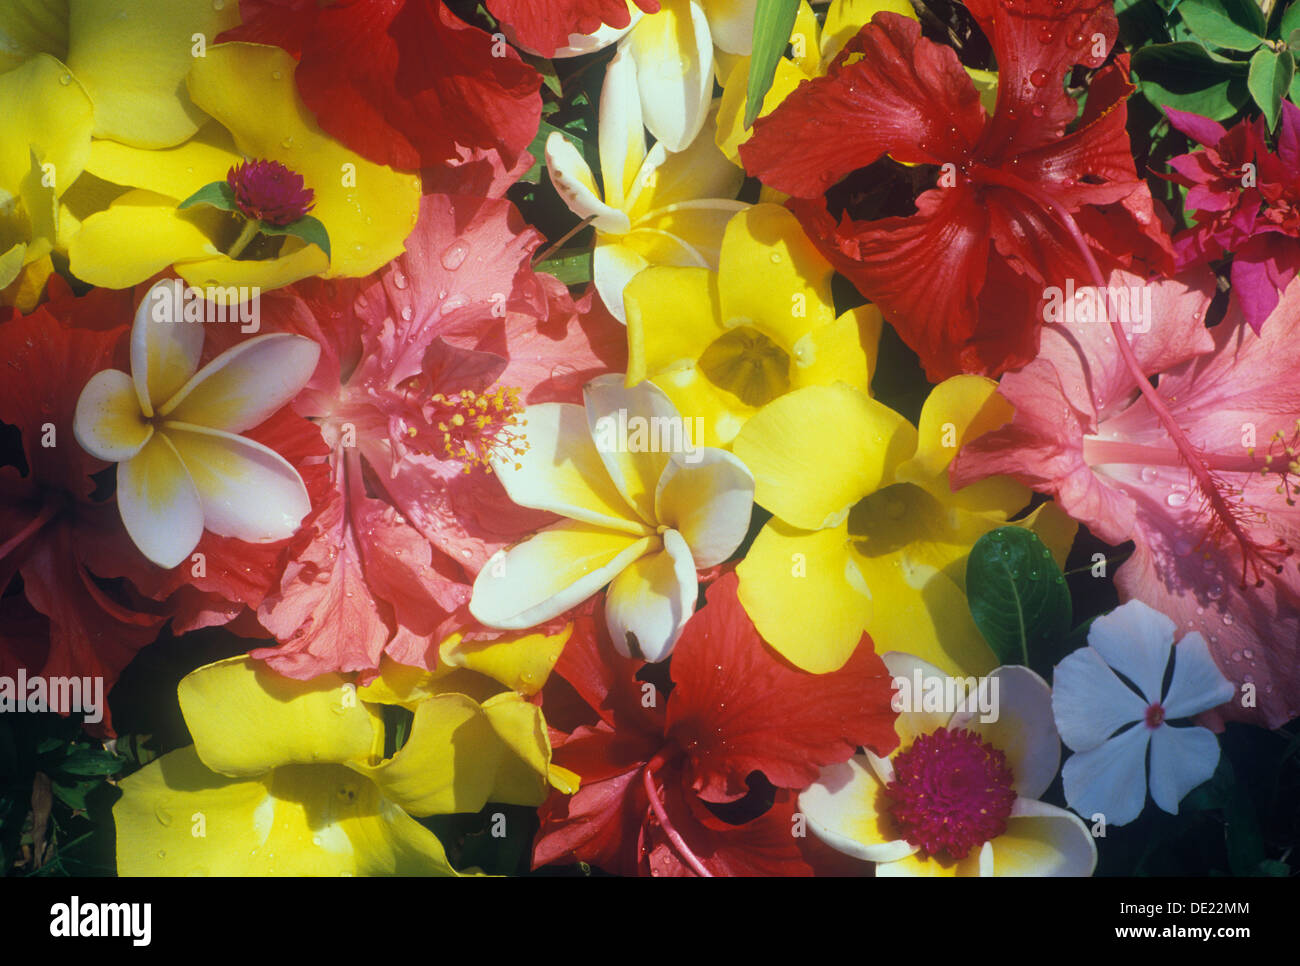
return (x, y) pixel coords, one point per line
(172, 430)
(1109, 726)
(657, 208)
(641, 515)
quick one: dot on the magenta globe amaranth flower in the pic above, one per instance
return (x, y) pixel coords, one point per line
(268, 191)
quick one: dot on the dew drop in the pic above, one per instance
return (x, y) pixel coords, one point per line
(1227, 620)
(399, 280)
(276, 75)
(162, 814)
(65, 79)
(1236, 655)
(218, 5)
(774, 258)
(1039, 78)
(1148, 474)
(1176, 498)
(406, 313)
(162, 854)
(1045, 34)
(287, 142)
(1248, 654)
(454, 255)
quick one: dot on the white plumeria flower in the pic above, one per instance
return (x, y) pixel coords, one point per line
(644, 507)
(171, 429)
(673, 50)
(959, 796)
(657, 208)
(1107, 774)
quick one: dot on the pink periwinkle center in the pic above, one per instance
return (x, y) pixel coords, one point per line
(270, 192)
(1155, 716)
(951, 793)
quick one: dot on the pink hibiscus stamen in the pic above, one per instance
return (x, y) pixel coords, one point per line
(951, 792)
(267, 191)
(471, 427)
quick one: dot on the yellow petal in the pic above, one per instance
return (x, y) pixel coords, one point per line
(30, 27)
(133, 58)
(816, 451)
(522, 662)
(165, 346)
(177, 171)
(731, 131)
(700, 172)
(844, 18)
(43, 109)
(247, 720)
(1043, 840)
(613, 266)
(158, 236)
(693, 231)
(673, 316)
(108, 423)
(805, 595)
(368, 209)
(697, 397)
(25, 290)
(848, 810)
(921, 865)
(844, 351)
(159, 503)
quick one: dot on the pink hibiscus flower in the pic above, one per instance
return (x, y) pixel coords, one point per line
(424, 370)
(1213, 553)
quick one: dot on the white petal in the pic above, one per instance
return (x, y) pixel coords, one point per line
(1197, 684)
(621, 135)
(613, 265)
(108, 423)
(1181, 759)
(159, 503)
(1022, 727)
(576, 187)
(708, 497)
(650, 602)
(913, 720)
(1089, 702)
(1109, 779)
(580, 44)
(731, 22)
(562, 472)
(674, 62)
(246, 384)
(550, 572)
(1135, 640)
(249, 491)
(1043, 840)
(843, 810)
(635, 429)
(165, 348)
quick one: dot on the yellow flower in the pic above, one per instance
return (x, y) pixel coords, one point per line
(289, 777)
(249, 94)
(173, 431)
(1014, 754)
(866, 535)
(723, 344)
(657, 208)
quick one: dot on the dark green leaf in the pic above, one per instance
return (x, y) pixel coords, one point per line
(1017, 594)
(217, 195)
(1290, 23)
(1270, 78)
(547, 69)
(571, 269)
(1231, 24)
(86, 762)
(307, 228)
(538, 150)
(773, 22)
(1272, 867)
(1185, 77)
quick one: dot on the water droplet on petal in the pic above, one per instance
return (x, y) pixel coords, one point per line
(453, 257)
(1039, 78)
(65, 79)
(406, 313)
(1177, 498)
(1148, 474)
(1227, 620)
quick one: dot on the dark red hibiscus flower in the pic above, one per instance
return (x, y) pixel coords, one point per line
(545, 25)
(652, 766)
(962, 278)
(402, 82)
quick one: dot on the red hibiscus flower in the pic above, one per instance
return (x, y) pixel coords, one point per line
(402, 82)
(651, 766)
(545, 25)
(962, 279)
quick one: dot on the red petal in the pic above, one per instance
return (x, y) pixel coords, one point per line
(544, 25)
(605, 679)
(737, 707)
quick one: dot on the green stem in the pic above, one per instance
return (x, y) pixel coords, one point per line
(251, 227)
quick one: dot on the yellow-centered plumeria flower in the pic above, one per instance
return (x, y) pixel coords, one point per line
(724, 344)
(959, 796)
(644, 506)
(172, 430)
(657, 208)
(251, 111)
(45, 124)
(866, 534)
(289, 777)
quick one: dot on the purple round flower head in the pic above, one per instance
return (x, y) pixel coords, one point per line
(270, 192)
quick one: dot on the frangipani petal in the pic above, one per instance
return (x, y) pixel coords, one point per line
(1181, 759)
(576, 187)
(1043, 840)
(159, 503)
(913, 719)
(248, 490)
(844, 810)
(165, 347)
(613, 266)
(1110, 779)
(673, 51)
(699, 174)
(109, 424)
(635, 429)
(708, 497)
(731, 22)
(550, 572)
(1022, 730)
(621, 135)
(650, 602)
(247, 720)
(246, 384)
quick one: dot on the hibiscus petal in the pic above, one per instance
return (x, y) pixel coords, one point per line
(844, 810)
(159, 503)
(246, 384)
(1198, 684)
(549, 26)
(1181, 759)
(1135, 640)
(708, 497)
(165, 345)
(1089, 702)
(1109, 780)
(109, 424)
(1043, 840)
(673, 51)
(550, 572)
(650, 602)
(249, 492)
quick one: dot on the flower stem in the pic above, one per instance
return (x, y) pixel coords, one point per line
(546, 253)
(250, 230)
(675, 837)
(47, 513)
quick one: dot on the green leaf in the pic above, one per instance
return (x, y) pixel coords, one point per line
(773, 23)
(1290, 23)
(1017, 594)
(1184, 76)
(538, 150)
(1272, 867)
(87, 762)
(547, 69)
(570, 268)
(219, 194)
(307, 228)
(1231, 24)
(1270, 78)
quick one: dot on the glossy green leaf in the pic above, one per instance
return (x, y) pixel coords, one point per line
(307, 228)
(219, 194)
(1270, 79)
(1231, 24)
(1017, 594)
(773, 22)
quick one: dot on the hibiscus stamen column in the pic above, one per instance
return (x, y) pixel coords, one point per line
(661, 814)
(1220, 508)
